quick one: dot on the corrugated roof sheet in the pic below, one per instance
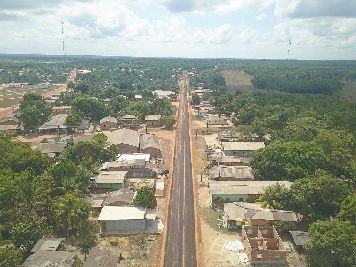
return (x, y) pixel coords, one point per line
(124, 136)
(243, 146)
(47, 148)
(108, 118)
(112, 213)
(231, 172)
(149, 141)
(152, 117)
(242, 187)
(111, 177)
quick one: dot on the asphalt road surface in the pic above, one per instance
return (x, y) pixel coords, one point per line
(180, 244)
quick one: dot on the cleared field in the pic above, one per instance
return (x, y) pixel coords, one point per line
(238, 81)
(13, 96)
(349, 91)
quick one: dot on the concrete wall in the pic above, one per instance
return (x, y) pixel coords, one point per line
(122, 226)
(105, 126)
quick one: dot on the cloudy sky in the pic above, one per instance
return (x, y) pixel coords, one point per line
(318, 29)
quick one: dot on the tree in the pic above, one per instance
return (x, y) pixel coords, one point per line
(332, 244)
(89, 107)
(25, 235)
(34, 111)
(10, 257)
(317, 196)
(74, 118)
(82, 87)
(70, 85)
(86, 244)
(195, 99)
(162, 106)
(20, 157)
(274, 197)
(288, 161)
(168, 121)
(145, 198)
(71, 214)
(348, 210)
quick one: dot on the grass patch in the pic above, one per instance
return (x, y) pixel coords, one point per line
(238, 81)
(211, 217)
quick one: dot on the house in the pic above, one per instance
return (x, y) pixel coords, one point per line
(50, 252)
(49, 244)
(127, 220)
(9, 120)
(10, 129)
(240, 191)
(121, 197)
(66, 139)
(149, 144)
(110, 180)
(138, 97)
(164, 94)
(135, 168)
(61, 110)
(126, 140)
(240, 213)
(225, 137)
(153, 120)
(263, 245)
(83, 138)
(51, 258)
(128, 118)
(51, 149)
(216, 160)
(231, 173)
(108, 123)
(241, 149)
(56, 124)
(300, 239)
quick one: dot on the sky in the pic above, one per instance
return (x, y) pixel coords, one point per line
(317, 29)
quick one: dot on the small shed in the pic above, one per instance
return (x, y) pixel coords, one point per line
(111, 180)
(153, 120)
(108, 123)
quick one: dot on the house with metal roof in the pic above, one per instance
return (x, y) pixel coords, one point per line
(149, 144)
(108, 123)
(128, 220)
(153, 120)
(51, 149)
(241, 213)
(241, 149)
(231, 173)
(110, 180)
(240, 191)
(126, 140)
(55, 124)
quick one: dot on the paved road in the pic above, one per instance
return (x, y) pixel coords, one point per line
(180, 244)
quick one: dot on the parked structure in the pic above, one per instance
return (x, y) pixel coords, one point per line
(108, 123)
(241, 213)
(231, 173)
(149, 144)
(153, 120)
(127, 220)
(263, 245)
(241, 149)
(240, 191)
(126, 140)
